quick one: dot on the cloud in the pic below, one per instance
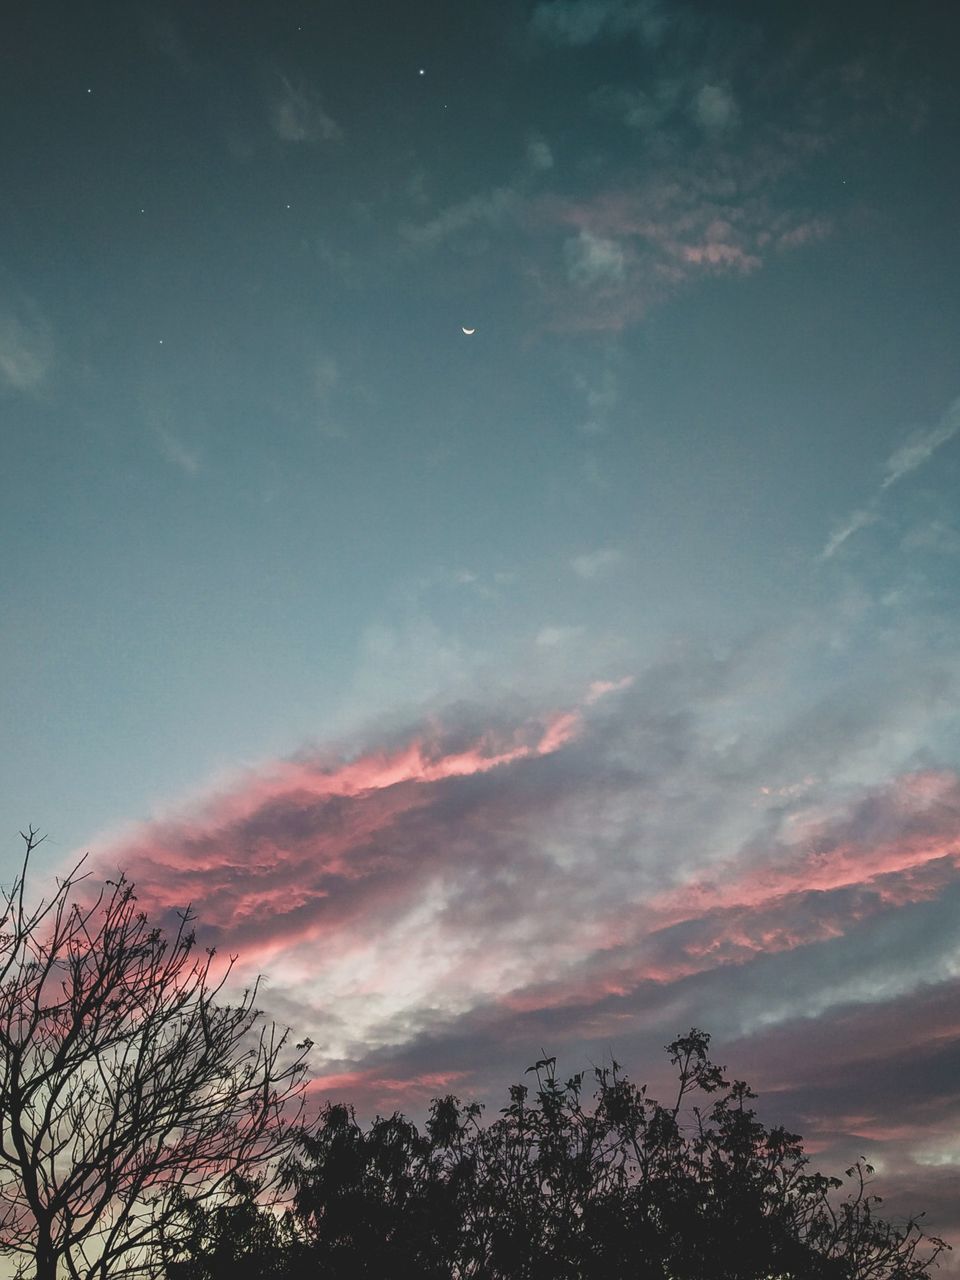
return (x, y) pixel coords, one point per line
(639, 245)
(921, 446)
(714, 108)
(592, 260)
(432, 901)
(296, 115)
(861, 519)
(615, 841)
(580, 22)
(596, 564)
(539, 155)
(176, 452)
(163, 36)
(325, 377)
(26, 347)
(637, 108)
(553, 636)
(490, 208)
(714, 190)
(936, 536)
(804, 233)
(602, 395)
(697, 207)
(914, 453)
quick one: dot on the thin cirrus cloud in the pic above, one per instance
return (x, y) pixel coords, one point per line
(915, 452)
(26, 347)
(297, 115)
(596, 564)
(921, 446)
(177, 453)
(477, 213)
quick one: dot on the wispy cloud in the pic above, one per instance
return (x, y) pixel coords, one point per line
(640, 109)
(714, 108)
(596, 564)
(177, 452)
(485, 209)
(934, 535)
(637, 246)
(163, 36)
(601, 393)
(297, 115)
(580, 22)
(551, 637)
(26, 347)
(921, 446)
(539, 154)
(326, 381)
(914, 453)
(593, 260)
(710, 199)
(859, 519)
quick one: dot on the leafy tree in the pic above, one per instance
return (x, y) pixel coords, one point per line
(554, 1190)
(127, 1091)
(237, 1239)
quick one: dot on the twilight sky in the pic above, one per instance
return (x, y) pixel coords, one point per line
(558, 686)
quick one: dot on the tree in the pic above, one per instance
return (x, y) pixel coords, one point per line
(127, 1091)
(553, 1190)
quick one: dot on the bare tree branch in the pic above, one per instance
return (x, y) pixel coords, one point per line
(126, 1086)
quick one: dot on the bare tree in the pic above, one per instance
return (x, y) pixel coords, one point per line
(126, 1088)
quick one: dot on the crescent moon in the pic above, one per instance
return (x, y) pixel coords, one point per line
(466, 330)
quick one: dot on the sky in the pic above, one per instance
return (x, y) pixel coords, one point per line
(557, 686)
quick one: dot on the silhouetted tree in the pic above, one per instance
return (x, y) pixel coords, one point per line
(128, 1095)
(237, 1239)
(697, 1190)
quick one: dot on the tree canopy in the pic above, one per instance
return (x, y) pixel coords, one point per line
(558, 1190)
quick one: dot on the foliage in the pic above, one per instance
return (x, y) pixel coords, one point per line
(552, 1190)
(128, 1095)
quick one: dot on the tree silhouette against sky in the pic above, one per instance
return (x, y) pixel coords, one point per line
(125, 1084)
(553, 1190)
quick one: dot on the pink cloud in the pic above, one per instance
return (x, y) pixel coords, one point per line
(426, 910)
(666, 234)
(306, 850)
(311, 858)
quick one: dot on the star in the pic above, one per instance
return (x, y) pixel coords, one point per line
(422, 72)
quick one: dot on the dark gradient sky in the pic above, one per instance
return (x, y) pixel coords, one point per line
(557, 686)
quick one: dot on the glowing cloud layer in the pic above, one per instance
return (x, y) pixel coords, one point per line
(432, 910)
